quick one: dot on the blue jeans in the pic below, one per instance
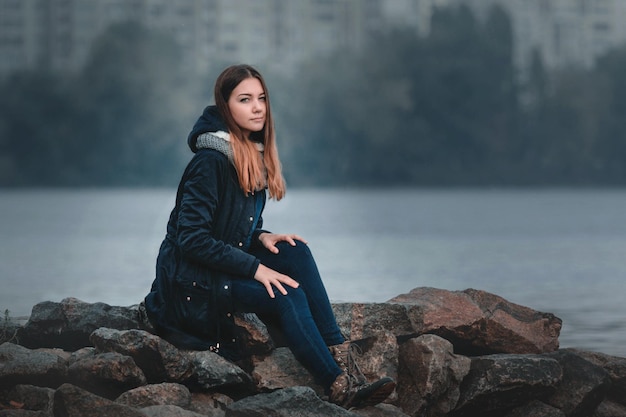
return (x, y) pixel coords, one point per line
(304, 315)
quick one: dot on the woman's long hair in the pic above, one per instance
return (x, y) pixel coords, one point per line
(251, 169)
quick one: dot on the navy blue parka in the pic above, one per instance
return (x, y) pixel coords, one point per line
(190, 302)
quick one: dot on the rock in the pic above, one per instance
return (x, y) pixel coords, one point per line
(166, 393)
(280, 369)
(478, 322)
(430, 375)
(378, 357)
(362, 320)
(583, 387)
(19, 365)
(210, 370)
(168, 411)
(616, 368)
(72, 401)
(210, 404)
(30, 397)
(497, 383)
(106, 374)
(159, 360)
(610, 409)
(286, 402)
(254, 333)
(535, 409)
(22, 413)
(68, 324)
(380, 410)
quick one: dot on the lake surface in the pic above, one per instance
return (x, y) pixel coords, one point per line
(557, 251)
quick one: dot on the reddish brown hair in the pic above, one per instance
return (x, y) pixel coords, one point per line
(251, 169)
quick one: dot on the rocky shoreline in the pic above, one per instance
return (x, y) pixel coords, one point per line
(453, 353)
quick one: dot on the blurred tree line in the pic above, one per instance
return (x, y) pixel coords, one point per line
(446, 109)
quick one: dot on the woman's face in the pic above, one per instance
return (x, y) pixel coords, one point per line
(247, 106)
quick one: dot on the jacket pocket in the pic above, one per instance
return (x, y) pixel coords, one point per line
(193, 305)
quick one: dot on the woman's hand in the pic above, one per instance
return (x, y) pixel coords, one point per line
(270, 278)
(269, 240)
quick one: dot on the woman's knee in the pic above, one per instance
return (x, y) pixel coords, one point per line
(300, 250)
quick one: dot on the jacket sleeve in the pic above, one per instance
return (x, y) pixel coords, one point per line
(199, 203)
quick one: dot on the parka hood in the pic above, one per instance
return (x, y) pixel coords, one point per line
(209, 122)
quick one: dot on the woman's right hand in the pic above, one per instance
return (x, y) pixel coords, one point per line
(270, 278)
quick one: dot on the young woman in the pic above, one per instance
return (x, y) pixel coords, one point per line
(217, 260)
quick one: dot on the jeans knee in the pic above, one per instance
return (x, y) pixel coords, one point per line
(299, 251)
(295, 300)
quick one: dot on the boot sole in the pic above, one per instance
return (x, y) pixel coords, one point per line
(377, 396)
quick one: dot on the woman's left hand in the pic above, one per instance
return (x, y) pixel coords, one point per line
(269, 240)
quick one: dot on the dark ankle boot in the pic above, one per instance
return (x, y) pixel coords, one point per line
(344, 355)
(346, 392)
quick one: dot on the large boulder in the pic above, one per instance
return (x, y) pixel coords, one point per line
(106, 374)
(19, 365)
(478, 322)
(210, 371)
(72, 401)
(583, 387)
(159, 360)
(498, 383)
(614, 366)
(68, 324)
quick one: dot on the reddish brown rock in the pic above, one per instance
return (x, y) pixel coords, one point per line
(478, 322)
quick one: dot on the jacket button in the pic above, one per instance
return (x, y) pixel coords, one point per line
(194, 283)
(225, 287)
(240, 244)
(228, 314)
(251, 218)
(234, 340)
(188, 298)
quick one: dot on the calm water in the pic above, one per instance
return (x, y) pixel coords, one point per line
(556, 251)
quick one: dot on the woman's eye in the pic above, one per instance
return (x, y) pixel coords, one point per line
(262, 98)
(244, 100)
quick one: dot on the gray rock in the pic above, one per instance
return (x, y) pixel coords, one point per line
(583, 387)
(106, 374)
(167, 393)
(478, 322)
(430, 376)
(69, 324)
(287, 402)
(19, 365)
(72, 401)
(498, 383)
(168, 411)
(616, 368)
(31, 398)
(159, 360)
(210, 370)
(610, 409)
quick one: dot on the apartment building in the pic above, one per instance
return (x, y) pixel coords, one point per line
(565, 32)
(58, 34)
